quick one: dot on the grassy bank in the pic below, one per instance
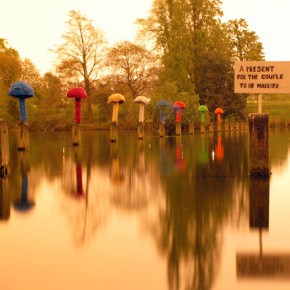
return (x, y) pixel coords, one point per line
(278, 108)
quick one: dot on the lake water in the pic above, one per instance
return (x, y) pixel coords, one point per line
(159, 214)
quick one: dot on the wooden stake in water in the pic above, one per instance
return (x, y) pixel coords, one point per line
(259, 147)
(178, 129)
(260, 101)
(5, 199)
(162, 129)
(191, 128)
(4, 148)
(113, 132)
(140, 130)
(23, 136)
(76, 134)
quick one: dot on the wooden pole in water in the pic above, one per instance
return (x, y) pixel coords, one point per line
(178, 128)
(162, 129)
(259, 147)
(191, 128)
(260, 101)
(4, 199)
(76, 134)
(113, 132)
(211, 127)
(202, 128)
(23, 136)
(4, 149)
(140, 130)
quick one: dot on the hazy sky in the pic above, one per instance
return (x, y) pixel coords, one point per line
(34, 26)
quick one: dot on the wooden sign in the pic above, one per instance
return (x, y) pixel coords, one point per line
(262, 77)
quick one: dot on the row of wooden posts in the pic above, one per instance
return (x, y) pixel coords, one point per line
(258, 128)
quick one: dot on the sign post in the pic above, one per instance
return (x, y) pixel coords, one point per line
(261, 77)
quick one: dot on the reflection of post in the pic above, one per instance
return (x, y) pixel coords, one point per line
(79, 174)
(141, 157)
(259, 149)
(4, 149)
(23, 136)
(116, 175)
(259, 206)
(261, 265)
(4, 199)
(24, 203)
(219, 149)
(259, 203)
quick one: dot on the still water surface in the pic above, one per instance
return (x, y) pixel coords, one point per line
(159, 214)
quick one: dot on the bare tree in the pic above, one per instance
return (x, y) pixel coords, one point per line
(83, 48)
(134, 68)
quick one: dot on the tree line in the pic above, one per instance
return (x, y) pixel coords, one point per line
(183, 51)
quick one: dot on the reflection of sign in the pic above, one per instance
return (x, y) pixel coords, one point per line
(262, 77)
(266, 266)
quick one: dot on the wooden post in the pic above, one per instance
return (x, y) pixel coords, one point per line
(76, 134)
(211, 128)
(226, 125)
(260, 100)
(4, 149)
(191, 128)
(114, 132)
(178, 128)
(4, 199)
(162, 129)
(259, 148)
(140, 131)
(23, 136)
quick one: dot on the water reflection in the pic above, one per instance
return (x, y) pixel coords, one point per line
(23, 201)
(261, 264)
(160, 203)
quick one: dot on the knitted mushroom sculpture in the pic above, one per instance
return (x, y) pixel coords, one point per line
(22, 91)
(77, 93)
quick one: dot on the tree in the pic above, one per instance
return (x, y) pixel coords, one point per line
(7, 50)
(196, 50)
(133, 67)
(245, 44)
(10, 69)
(83, 49)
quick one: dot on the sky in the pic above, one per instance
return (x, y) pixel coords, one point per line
(33, 27)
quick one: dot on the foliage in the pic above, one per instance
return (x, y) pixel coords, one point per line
(245, 44)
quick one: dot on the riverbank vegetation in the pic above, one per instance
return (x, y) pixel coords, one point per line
(184, 51)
